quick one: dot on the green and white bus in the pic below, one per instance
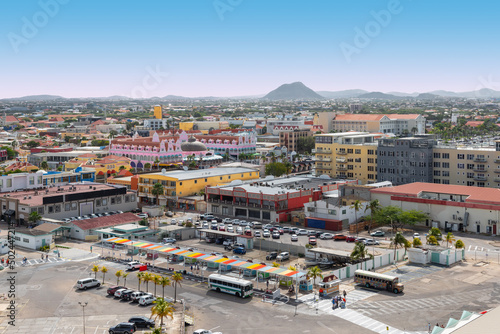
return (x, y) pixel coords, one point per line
(235, 286)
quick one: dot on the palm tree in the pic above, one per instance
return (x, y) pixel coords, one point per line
(156, 281)
(356, 206)
(34, 217)
(104, 270)
(125, 279)
(177, 278)
(155, 330)
(44, 165)
(118, 274)
(273, 156)
(147, 278)
(373, 206)
(360, 252)
(157, 191)
(156, 163)
(314, 273)
(398, 241)
(140, 278)
(449, 239)
(164, 282)
(162, 309)
(95, 269)
(417, 242)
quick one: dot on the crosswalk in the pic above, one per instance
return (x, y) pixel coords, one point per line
(324, 304)
(33, 262)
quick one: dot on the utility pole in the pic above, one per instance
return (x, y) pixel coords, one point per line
(83, 309)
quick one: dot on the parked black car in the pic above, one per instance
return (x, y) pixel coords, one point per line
(142, 322)
(271, 256)
(123, 328)
(126, 295)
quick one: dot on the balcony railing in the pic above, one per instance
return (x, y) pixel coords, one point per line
(342, 159)
(480, 178)
(480, 170)
(478, 159)
(497, 161)
(323, 159)
(143, 194)
(497, 179)
(497, 170)
(342, 152)
(341, 168)
(318, 150)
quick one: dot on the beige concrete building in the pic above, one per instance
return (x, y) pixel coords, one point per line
(290, 139)
(391, 123)
(467, 165)
(350, 155)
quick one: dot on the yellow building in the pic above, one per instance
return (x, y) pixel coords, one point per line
(177, 184)
(351, 155)
(158, 112)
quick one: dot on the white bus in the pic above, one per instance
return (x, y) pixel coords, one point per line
(235, 286)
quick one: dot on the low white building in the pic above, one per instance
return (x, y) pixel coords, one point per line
(450, 207)
(332, 208)
(32, 238)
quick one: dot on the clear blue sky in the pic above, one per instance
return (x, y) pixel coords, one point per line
(102, 48)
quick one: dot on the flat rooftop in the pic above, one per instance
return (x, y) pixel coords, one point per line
(200, 173)
(332, 252)
(34, 197)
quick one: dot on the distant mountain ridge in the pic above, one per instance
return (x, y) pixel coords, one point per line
(293, 91)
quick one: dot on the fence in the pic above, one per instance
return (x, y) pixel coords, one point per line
(371, 264)
(271, 246)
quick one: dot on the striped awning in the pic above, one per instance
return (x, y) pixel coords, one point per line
(233, 262)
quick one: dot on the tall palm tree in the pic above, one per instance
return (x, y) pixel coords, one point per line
(356, 206)
(373, 206)
(164, 282)
(398, 241)
(360, 252)
(140, 278)
(273, 156)
(95, 270)
(157, 191)
(156, 281)
(177, 278)
(104, 270)
(118, 274)
(125, 279)
(156, 163)
(148, 277)
(162, 309)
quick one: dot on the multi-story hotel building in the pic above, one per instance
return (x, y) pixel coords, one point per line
(350, 155)
(290, 138)
(467, 165)
(405, 160)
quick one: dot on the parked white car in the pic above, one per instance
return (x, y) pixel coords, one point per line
(86, 283)
(325, 236)
(266, 233)
(146, 300)
(294, 237)
(302, 232)
(173, 221)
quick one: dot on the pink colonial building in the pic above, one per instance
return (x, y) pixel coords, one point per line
(171, 149)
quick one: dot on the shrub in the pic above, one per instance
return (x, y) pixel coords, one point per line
(45, 248)
(301, 255)
(309, 246)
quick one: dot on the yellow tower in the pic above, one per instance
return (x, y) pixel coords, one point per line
(158, 113)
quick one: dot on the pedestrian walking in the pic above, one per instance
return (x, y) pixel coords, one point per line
(42, 256)
(191, 268)
(47, 257)
(345, 294)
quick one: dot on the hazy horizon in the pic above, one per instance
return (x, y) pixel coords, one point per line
(239, 48)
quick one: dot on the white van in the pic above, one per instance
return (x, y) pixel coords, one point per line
(86, 283)
(257, 225)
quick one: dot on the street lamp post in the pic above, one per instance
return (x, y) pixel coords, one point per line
(297, 287)
(83, 309)
(392, 227)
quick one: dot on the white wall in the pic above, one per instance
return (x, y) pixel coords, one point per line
(34, 242)
(328, 211)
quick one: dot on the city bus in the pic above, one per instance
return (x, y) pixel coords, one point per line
(379, 281)
(235, 286)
